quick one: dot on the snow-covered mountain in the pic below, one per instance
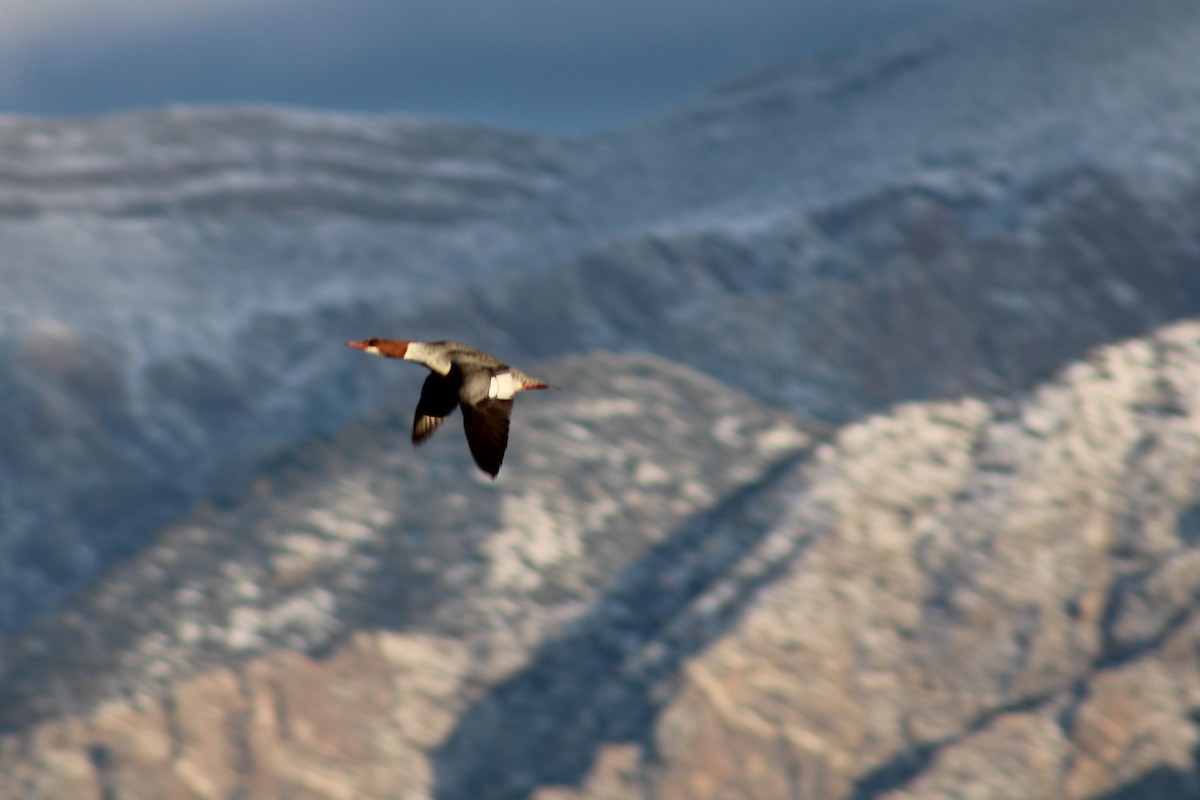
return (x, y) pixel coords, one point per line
(178, 282)
(197, 477)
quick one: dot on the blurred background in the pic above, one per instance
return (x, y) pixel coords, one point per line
(875, 469)
(529, 64)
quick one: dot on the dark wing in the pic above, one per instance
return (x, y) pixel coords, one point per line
(439, 396)
(486, 423)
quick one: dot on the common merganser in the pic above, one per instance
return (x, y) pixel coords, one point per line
(481, 384)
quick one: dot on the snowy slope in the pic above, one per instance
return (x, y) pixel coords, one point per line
(973, 111)
(194, 211)
(177, 226)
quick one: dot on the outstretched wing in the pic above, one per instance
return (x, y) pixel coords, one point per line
(486, 424)
(439, 396)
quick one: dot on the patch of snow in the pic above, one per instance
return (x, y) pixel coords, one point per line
(648, 473)
(779, 439)
(606, 408)
(532, 540)
(726, 431)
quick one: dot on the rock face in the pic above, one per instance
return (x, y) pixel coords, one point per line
(1000, 606)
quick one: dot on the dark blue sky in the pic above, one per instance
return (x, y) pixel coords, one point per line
(551, 65)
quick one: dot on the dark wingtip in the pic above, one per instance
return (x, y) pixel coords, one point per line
(488, 470)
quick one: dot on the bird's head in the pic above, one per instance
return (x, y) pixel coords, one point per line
(392, 348)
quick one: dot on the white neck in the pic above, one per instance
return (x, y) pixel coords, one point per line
(424, 353)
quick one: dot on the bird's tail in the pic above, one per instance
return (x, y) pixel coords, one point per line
(527, 382)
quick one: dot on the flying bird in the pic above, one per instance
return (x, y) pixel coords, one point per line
(480, 384)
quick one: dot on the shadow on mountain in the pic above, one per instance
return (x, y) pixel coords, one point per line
(605, 679)
(1163, 783)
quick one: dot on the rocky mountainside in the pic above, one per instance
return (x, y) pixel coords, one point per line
(873, 474)
(955, 598)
